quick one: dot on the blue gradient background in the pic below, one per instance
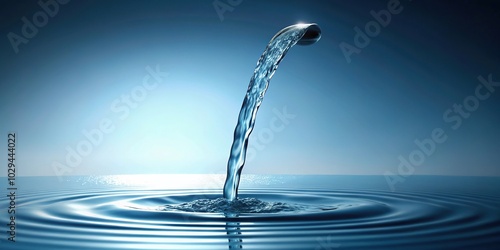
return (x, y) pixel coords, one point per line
(350, 118)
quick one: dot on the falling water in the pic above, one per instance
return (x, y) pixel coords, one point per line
(302, 34)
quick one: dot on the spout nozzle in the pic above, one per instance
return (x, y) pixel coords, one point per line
(312, 35)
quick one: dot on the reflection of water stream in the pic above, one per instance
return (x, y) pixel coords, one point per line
(233, 232)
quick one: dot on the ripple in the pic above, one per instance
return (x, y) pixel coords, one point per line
(261, 219)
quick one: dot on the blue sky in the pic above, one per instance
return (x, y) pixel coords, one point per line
(84, 70)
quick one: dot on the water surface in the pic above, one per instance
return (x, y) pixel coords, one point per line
(320, 212)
